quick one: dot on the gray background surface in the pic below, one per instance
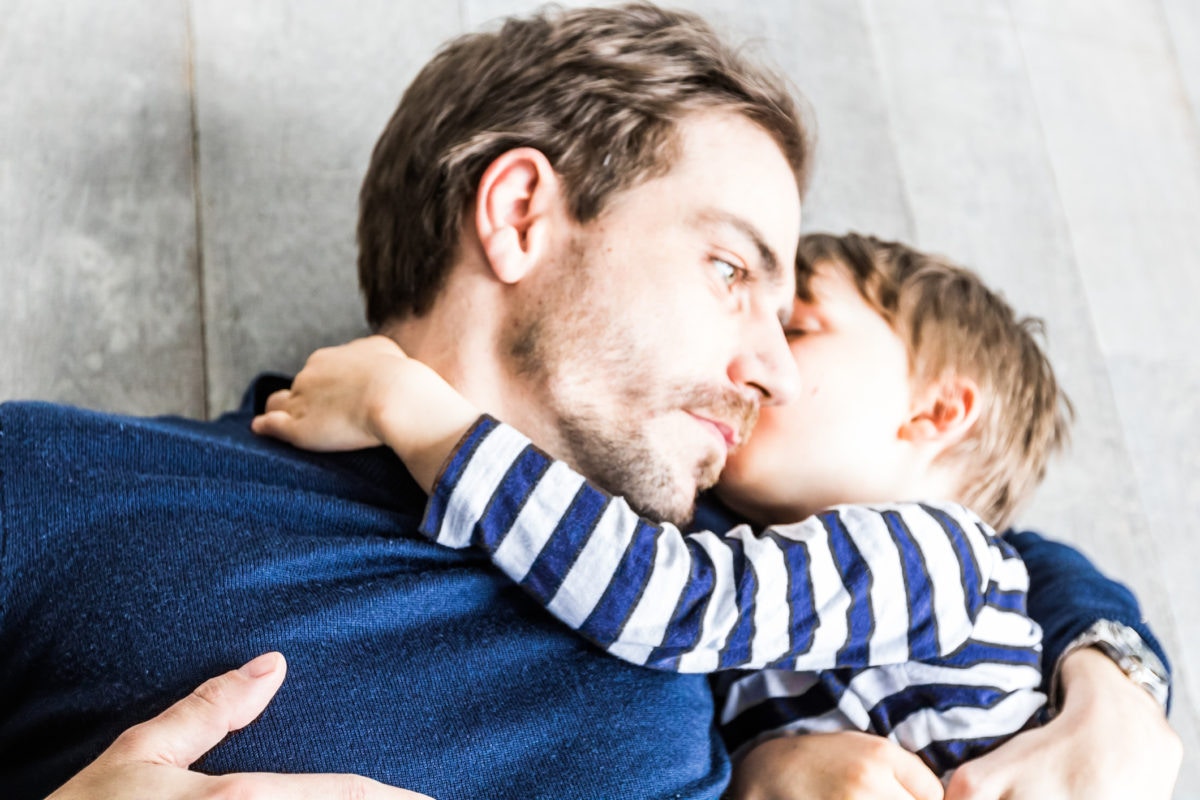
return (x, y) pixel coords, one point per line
(178, 186)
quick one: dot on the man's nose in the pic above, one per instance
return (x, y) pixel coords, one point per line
(764, 362)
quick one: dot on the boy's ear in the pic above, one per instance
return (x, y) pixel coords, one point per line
(515, 208)
(944, 413)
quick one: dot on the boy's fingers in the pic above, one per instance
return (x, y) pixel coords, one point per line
(272, 423)
(277, 401)
(194, 725)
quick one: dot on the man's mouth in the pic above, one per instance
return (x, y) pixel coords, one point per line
(728, 415)
(730, 436)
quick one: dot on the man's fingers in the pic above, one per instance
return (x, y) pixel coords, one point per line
(916, 778)
(151, 759)
(194, 725)
(266, 786)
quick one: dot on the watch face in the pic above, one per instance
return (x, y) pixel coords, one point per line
(1131, 653)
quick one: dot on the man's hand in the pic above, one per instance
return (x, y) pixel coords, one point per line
(1111, 741)
(832, 766)
(152, 759)
(367, 393)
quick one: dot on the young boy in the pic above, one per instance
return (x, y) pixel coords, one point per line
(903, 619)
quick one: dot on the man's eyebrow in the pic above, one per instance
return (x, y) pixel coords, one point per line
(768, 260)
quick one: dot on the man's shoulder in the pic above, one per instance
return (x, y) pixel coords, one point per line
(69, 436)
(46, 445)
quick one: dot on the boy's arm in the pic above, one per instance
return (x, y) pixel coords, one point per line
(854, 586)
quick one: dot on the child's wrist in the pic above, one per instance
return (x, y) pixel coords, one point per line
(387, 415)
(422, 418)
(426, 465)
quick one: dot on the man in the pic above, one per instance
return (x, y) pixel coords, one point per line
(591, 236)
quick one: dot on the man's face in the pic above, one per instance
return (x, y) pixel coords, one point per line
(656, 334)
(837, 441)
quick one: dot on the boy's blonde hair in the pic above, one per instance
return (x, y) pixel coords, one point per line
(954, 325)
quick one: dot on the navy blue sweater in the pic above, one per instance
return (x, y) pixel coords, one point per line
(139, 557)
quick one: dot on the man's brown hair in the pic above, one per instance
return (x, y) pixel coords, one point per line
(597, 90)
(954, 325)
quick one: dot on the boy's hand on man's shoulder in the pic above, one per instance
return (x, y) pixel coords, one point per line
(333, 399)
(367, 393)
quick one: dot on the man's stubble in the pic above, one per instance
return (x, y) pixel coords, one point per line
(609, 393)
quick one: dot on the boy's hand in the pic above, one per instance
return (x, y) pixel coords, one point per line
(331, 401)
(367, 393)
(832, 766)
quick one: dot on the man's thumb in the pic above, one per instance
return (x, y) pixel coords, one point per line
(194, 725)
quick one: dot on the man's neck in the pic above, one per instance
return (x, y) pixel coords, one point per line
(459, 339)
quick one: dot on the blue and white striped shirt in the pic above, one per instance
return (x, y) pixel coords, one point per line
(907, 620)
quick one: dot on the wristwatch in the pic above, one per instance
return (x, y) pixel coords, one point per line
(1128, 651)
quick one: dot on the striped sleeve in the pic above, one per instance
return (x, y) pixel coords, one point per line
(946, 710)
(851, 587)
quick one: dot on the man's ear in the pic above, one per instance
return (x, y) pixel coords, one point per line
(944, 413)
(516, 206)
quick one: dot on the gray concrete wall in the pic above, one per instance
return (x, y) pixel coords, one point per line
(178, 183)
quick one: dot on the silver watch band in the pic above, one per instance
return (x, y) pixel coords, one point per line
(1129, 652)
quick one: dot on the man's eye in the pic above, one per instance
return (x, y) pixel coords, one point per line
(727, 272)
